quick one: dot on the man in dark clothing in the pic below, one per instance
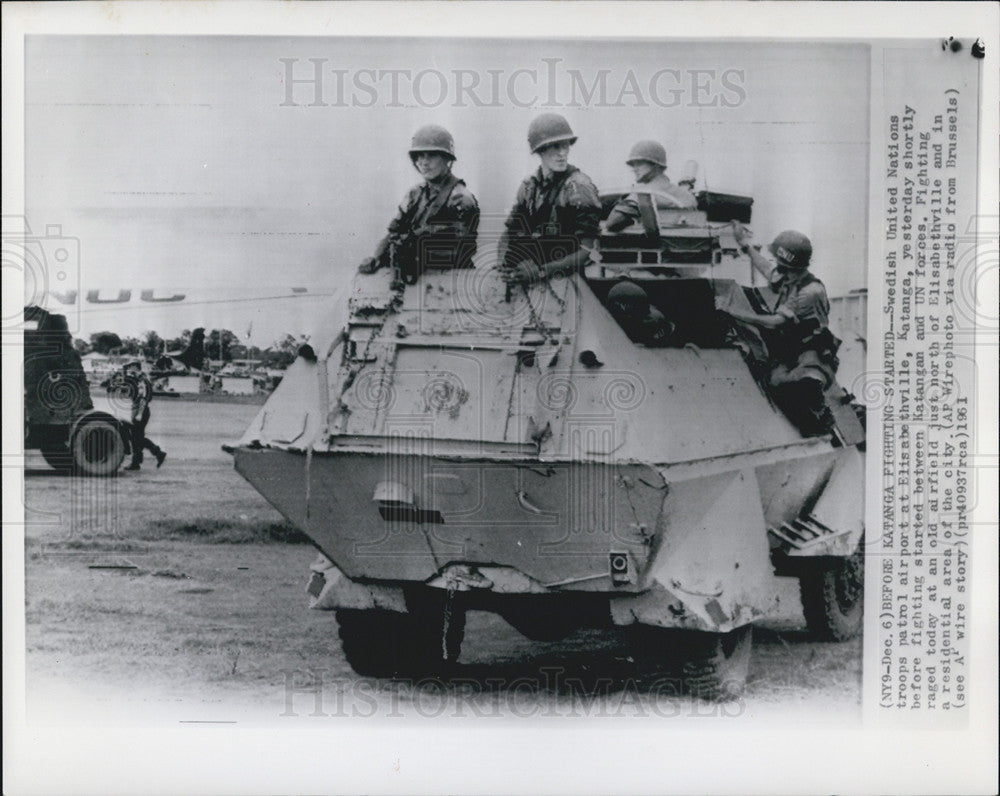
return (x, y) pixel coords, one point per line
(555, 221)
(437, 221)
(133, 384)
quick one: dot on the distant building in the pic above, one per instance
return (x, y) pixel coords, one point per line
(98, 367)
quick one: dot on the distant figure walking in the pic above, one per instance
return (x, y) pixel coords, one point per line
(137, 387)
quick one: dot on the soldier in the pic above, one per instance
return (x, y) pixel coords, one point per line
(134, 384)
(554, 223)
(642, 322)
(648, 161)
(441, 212)
(801, 349)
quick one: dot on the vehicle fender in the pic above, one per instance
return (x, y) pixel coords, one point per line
(840, 506)
(711, 568)
(339, 591)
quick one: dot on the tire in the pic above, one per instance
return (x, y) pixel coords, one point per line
(97, 448)
(58, 457)
(373, 641)
(716, 664)
(380, 643)
(833, 595)
(711, 666)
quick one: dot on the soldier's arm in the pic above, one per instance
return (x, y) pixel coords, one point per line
(515, 220)
(622, 215)
(571, 263)
(378, 260)
(585, 200)
(760, 263)
(772, 321)
(397, 227)
(467, 209)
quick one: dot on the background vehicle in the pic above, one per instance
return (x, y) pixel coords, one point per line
(454, 451)
(59, 415)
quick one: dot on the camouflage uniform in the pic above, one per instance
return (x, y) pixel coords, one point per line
(554, 213)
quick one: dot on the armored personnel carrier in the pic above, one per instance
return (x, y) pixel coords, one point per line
(59, 415)
(463, 447)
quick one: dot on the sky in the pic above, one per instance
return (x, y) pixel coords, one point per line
(193, 166)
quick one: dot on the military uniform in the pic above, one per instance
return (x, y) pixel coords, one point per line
(804, 347)
(551, 216)
(139, 391)
(435, 223)
(667, 196)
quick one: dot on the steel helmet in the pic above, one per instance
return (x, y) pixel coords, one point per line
(648, 150)
(792, 249)
(549, 128)
(629, 298)
(432, 138)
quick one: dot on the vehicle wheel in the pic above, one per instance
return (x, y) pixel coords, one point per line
(373, 640)
(711, 666)
(716, 664)
(58, 457)
(833, 595)
(98, 448)
(380, 643)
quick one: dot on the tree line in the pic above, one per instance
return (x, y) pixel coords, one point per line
(220, 345)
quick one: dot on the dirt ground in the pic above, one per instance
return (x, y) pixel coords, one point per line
(177, 595)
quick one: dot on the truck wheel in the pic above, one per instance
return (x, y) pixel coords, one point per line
(380, 643)
(716, 664)
(833, 595)
(97, 448)
(58, 457)
(709, 665)
(373, 640)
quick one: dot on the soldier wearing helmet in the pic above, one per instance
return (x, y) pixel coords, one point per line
(648, 161)
(553, 225)
(801, 349)
(439, 214)
(641, 321)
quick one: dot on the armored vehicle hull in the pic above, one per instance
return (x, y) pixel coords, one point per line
(457, 448)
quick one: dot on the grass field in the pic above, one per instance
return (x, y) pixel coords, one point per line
(178, 595)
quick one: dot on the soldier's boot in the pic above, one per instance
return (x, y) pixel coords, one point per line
(160, 456)
(133, 466)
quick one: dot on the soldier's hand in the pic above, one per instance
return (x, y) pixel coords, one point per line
(740, 233)
(368, 266)
(524, 273)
